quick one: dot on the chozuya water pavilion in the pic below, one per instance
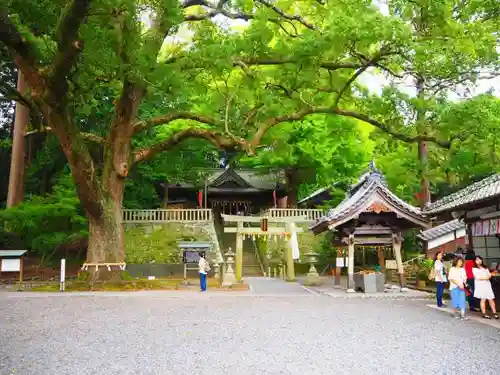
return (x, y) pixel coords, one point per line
(371, 215)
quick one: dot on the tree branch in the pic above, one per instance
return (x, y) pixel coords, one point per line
(269, 61)
(216, 9)
(251, 115)
(226, 117)
(143, 125)
(94, 138)
(11, 94)
(68, 46)
(371, 62)
(286, 16)
(23, 52)
(349, 83)
(309, 110)
(217, 140)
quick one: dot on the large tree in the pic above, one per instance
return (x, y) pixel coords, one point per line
(455, 44)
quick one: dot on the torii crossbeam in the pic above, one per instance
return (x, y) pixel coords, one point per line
(289, 228)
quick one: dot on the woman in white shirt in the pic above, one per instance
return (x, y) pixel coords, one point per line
(483, 290)
(458, 280)
(203, 268)
(440, 278)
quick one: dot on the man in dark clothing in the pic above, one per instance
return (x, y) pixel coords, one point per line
(470, 259)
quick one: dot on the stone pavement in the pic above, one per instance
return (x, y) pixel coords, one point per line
(472, 316)
(290, 332)
(270, 286)
(330, 289)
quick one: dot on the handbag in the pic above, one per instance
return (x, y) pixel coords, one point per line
(432, 274)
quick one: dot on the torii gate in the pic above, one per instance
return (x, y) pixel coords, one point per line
(240, 231)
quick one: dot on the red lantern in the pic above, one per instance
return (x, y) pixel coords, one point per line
(200, 199)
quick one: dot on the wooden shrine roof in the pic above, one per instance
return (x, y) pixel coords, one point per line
(370, 195)
(239, 179)
(484, 190)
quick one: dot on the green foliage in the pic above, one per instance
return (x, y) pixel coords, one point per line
(423, 275)
(307, 242)
(320, 151)
(428, 264)
(45, 222)
(158, 244)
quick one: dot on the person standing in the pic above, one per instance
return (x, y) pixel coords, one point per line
(483, 290)
(440, 278)
(203, 268)
(458, 280)
(470, 259)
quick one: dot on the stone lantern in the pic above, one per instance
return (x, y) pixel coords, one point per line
(229, 278)
(312, 277)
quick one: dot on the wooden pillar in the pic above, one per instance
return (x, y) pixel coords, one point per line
(396, 245)
(290, 266)
(21, 273)
(239, 252)
(350, 264)
(338, 269)
(15, 191)
(470, 245)
(381, 258)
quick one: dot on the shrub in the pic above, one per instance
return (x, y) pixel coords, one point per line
(48, 221)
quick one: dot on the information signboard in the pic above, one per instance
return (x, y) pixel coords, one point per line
(191, 256)
(11, 265)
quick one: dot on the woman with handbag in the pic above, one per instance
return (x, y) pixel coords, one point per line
(203, 268)
(483, 290)
(458, 283)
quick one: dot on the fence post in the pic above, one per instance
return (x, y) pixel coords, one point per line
(63, 274)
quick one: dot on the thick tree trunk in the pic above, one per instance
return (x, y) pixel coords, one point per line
(165, 195)
(106, 234)
(423, 150)
(15, 193)
(425, 193)
(292, 182)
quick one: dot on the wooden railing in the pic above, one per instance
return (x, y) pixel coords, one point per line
(166, 215)
(309, 213)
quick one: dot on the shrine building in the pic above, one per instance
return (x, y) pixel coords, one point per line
(229, 191)
(371, 215)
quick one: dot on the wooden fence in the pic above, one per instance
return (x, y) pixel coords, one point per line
(166, 215)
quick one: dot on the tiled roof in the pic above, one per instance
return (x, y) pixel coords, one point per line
(313, 195)
(12, 253)
(440, 230)
(479, 191)
(245, 178)
(319, 192)
(360, 196)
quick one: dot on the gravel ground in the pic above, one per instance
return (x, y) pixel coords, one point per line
(216, 333)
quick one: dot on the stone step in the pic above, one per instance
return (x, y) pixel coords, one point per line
(252, 271)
